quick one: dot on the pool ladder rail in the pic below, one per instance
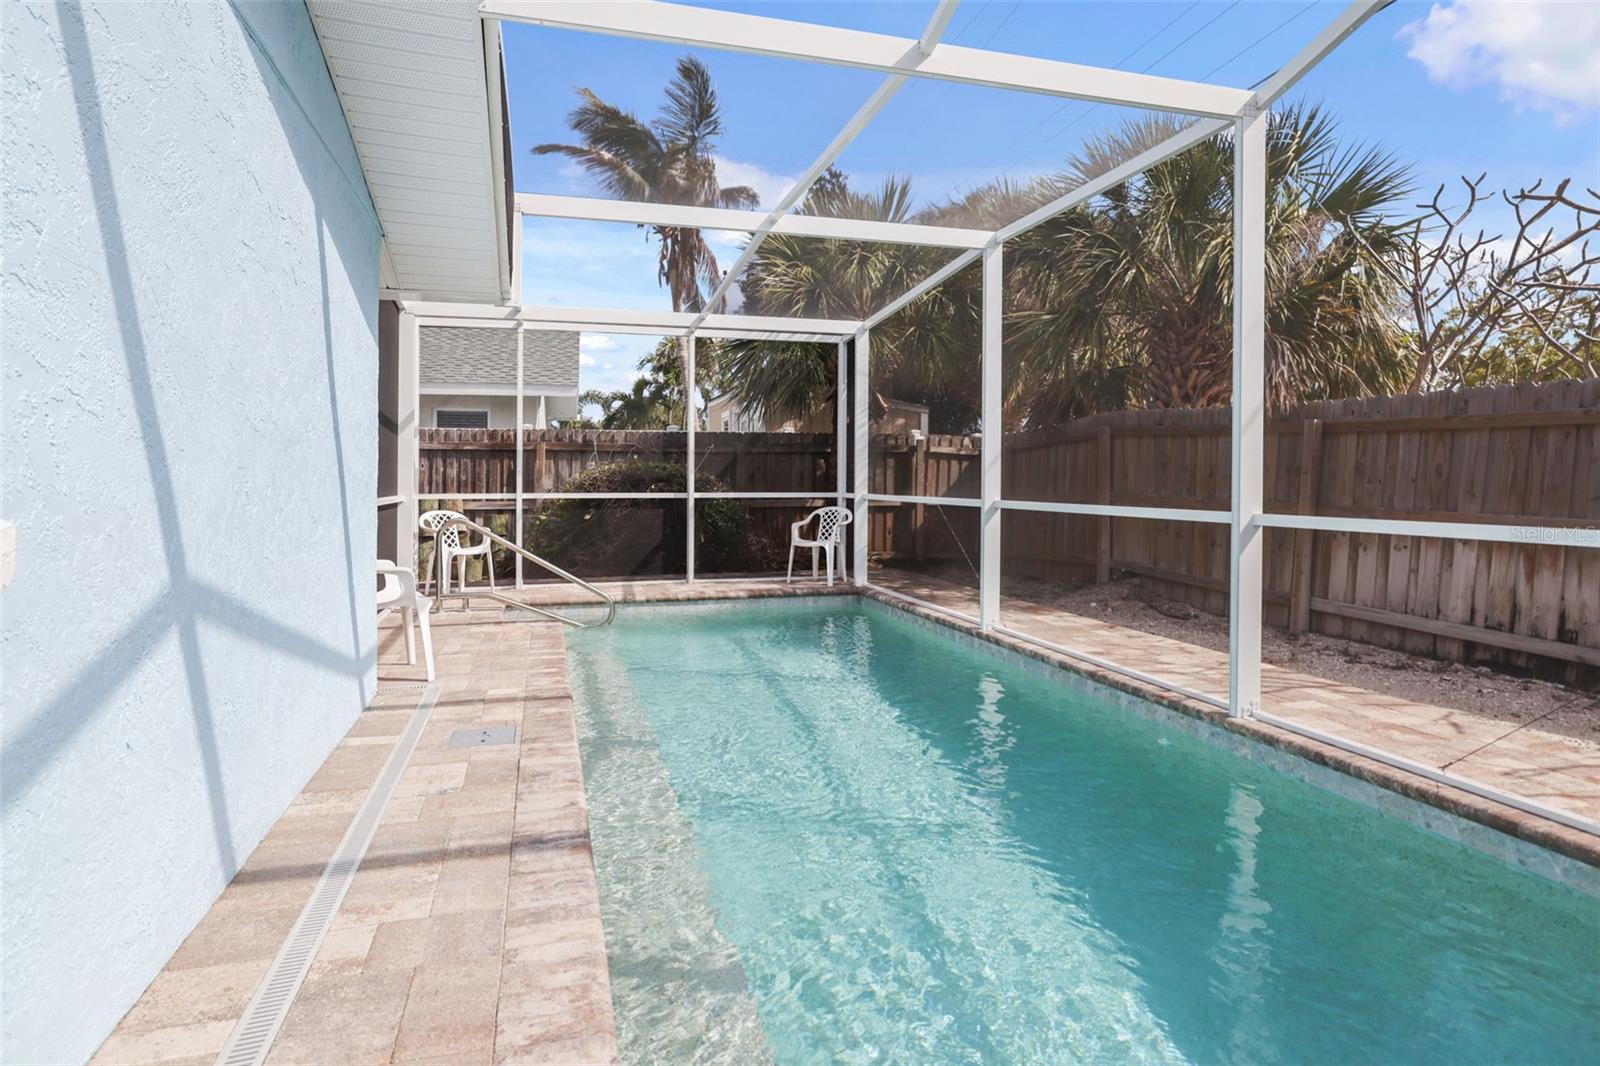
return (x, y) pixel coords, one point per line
(465, 593)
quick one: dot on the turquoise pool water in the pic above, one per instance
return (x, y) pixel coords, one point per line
(825, 834)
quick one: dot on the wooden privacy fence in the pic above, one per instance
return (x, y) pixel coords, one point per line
(464, 462)
(482, 461)
(1513, 455)
(915, 534)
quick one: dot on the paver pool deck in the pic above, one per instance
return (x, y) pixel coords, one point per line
(471, 932)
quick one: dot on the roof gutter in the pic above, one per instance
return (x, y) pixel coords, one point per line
(498, 118)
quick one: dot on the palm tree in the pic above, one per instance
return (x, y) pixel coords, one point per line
(809, 278)
(644, 406)
(1136, 287)
(669, 160)
(1123, 301)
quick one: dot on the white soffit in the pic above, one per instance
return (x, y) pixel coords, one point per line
(411, 77)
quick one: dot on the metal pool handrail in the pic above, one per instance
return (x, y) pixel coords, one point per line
(611, 604)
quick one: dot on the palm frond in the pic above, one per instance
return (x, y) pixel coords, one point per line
(615, 173)
(671, 160)
(741, 196)
(690, 116)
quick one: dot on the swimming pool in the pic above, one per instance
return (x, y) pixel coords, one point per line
(824, 833)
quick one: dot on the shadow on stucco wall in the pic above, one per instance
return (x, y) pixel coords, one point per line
(338, 450)
(89, 691)
(349, 244)
(166, 701)
(187, 599)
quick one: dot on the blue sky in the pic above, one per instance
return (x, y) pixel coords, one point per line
(1452, 88)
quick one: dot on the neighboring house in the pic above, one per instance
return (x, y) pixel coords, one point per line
(725, 415)
(468, 377)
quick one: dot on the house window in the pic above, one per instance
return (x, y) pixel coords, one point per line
(726, 422)
(459, 419)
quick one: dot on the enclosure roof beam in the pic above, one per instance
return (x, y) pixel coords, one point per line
(767, 335)
(655, 331)
(786, 39)
(1191, 135)
(1285, 77)
(1348, 21)
(591, 209)
(934, 30)
(603, 320)
(962, 260)
(1194, 134)
(920, 50)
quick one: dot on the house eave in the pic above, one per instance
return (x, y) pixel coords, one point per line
(480, 389)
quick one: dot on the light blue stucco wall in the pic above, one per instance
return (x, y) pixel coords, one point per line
(189, 453)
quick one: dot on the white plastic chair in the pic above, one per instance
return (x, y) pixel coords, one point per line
(450, 545)
(399, 589)
(830, 533)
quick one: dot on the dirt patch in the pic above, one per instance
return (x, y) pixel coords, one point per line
(1473, 689)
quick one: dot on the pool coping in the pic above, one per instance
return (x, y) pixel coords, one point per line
(1523, 840)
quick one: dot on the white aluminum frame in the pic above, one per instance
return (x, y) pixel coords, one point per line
(516, 535)
(648, 323)
(690, 418)
(1217, 109)
(860, 438)
(993, 434)
(917, 54)
(1551, 536)
(841, 422)
(429, 314)
(926, 501)
(786, 39)
(1249, 412)
(644, 213)
(1102, 510)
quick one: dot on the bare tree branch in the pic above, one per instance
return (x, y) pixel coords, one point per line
(1466, 293)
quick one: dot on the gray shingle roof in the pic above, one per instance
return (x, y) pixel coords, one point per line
(458, 355)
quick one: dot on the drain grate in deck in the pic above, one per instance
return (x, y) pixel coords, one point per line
(483, 738)
(252, 1037)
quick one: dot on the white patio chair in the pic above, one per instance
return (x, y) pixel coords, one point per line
(399, 589)
(451, 546)
(830, 534)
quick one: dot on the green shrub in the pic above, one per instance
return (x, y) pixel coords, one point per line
(619, 538)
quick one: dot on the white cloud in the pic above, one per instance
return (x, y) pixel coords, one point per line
(590, 246)
(1544, 55)
(590, 343)
(769, 186)
(589, 264)
(618, 367)
(577, 179)
(728, 238)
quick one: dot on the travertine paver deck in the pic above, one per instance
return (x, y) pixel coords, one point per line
(471, 933)
(1560, 771)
